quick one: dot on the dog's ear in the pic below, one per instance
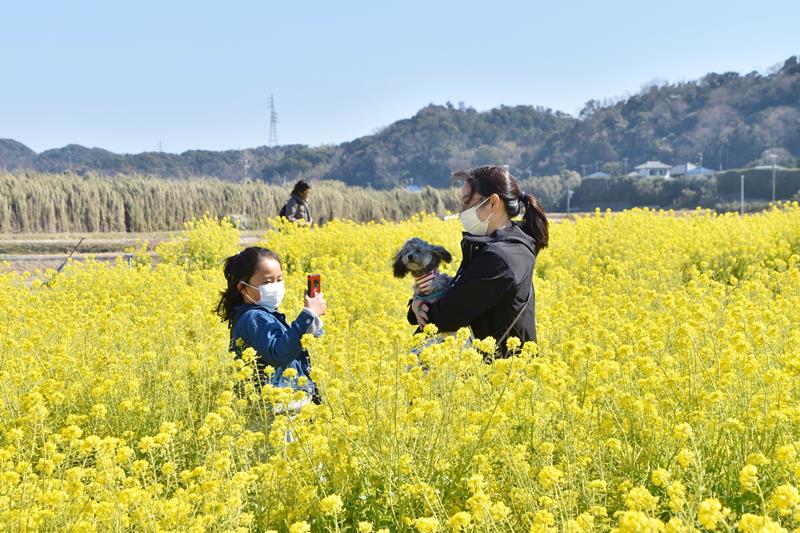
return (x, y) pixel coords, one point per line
(399, 267)
(442, 254)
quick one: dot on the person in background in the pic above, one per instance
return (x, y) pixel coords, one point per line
(296, 208)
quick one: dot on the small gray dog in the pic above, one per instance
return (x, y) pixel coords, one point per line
(422, 259)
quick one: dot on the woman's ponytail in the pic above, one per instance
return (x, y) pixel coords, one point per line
(534, 222)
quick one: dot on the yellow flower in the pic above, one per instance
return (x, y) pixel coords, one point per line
(513, 344)
(500, 511)
(675, 525)
(426, 525)
(331, 505)
(685, 458)
(300, 527)
(636, 521)
(785, 499)
(786, 455)
(598, 485)
(640, 499)
(677, 496)
(460, 521)
(682, 431)
(99, 411)
(710, 513)
(750, 523)
(542, 520)
(660, 477)
(748, 478)
(550, 476)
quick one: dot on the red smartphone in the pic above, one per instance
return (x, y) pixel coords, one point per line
(314, 285)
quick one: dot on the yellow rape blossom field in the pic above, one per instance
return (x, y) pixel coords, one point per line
(663, 394)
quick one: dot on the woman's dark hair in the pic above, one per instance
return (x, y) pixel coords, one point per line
(489, 180)
(300, 187)
(239, 267)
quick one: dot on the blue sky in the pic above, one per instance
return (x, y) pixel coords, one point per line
(128, 75)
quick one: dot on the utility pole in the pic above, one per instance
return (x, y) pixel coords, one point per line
(569, 196)
(741, 212)
(583, 171)
(245, 165)
(701, 159)
(160, 146)
(773, 156)
(625, 161)
(597, 165)
(273, 122)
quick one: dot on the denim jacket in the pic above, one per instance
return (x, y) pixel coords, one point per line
(276, 343)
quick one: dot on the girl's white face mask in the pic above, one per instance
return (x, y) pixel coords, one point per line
(471, 223)
(270, 294)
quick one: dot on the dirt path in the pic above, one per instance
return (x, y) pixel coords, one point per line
(44, 253)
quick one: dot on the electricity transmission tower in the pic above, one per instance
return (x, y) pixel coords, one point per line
(273, 123)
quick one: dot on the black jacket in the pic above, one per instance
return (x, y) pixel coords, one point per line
(490, 288)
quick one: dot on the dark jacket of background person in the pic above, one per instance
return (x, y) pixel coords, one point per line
(297, 209)
(490, 288)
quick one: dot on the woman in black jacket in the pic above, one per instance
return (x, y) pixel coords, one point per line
(492, 292)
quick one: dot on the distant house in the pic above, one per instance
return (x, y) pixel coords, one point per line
(700, 172)
(599, 175)
(653, 168)
(681, 170)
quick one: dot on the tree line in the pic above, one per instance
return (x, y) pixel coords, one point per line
(33, 202)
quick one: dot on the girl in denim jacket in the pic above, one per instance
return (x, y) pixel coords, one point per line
(249, 305)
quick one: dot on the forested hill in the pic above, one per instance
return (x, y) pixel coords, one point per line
(733, 119)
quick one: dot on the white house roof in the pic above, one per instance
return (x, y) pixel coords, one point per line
(769, 167)
(599, 175)
(652, 165)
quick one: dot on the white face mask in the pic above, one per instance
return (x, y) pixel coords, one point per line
(270, 294)
(472, 224)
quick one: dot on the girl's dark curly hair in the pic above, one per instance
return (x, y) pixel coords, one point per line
(239, 267)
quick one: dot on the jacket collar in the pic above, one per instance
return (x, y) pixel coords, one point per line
(512, 233)
(241, 308)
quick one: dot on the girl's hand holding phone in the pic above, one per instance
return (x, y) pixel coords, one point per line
(314, 299)
(317, 303)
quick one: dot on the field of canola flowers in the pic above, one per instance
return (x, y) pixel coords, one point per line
(663, 395)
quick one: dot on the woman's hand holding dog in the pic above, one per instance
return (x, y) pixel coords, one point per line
(317, 304)
(420, 309)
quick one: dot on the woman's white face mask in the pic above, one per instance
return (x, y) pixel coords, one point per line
(471, 223)
(270, 294)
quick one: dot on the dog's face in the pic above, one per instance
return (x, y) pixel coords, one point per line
(419, 257)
